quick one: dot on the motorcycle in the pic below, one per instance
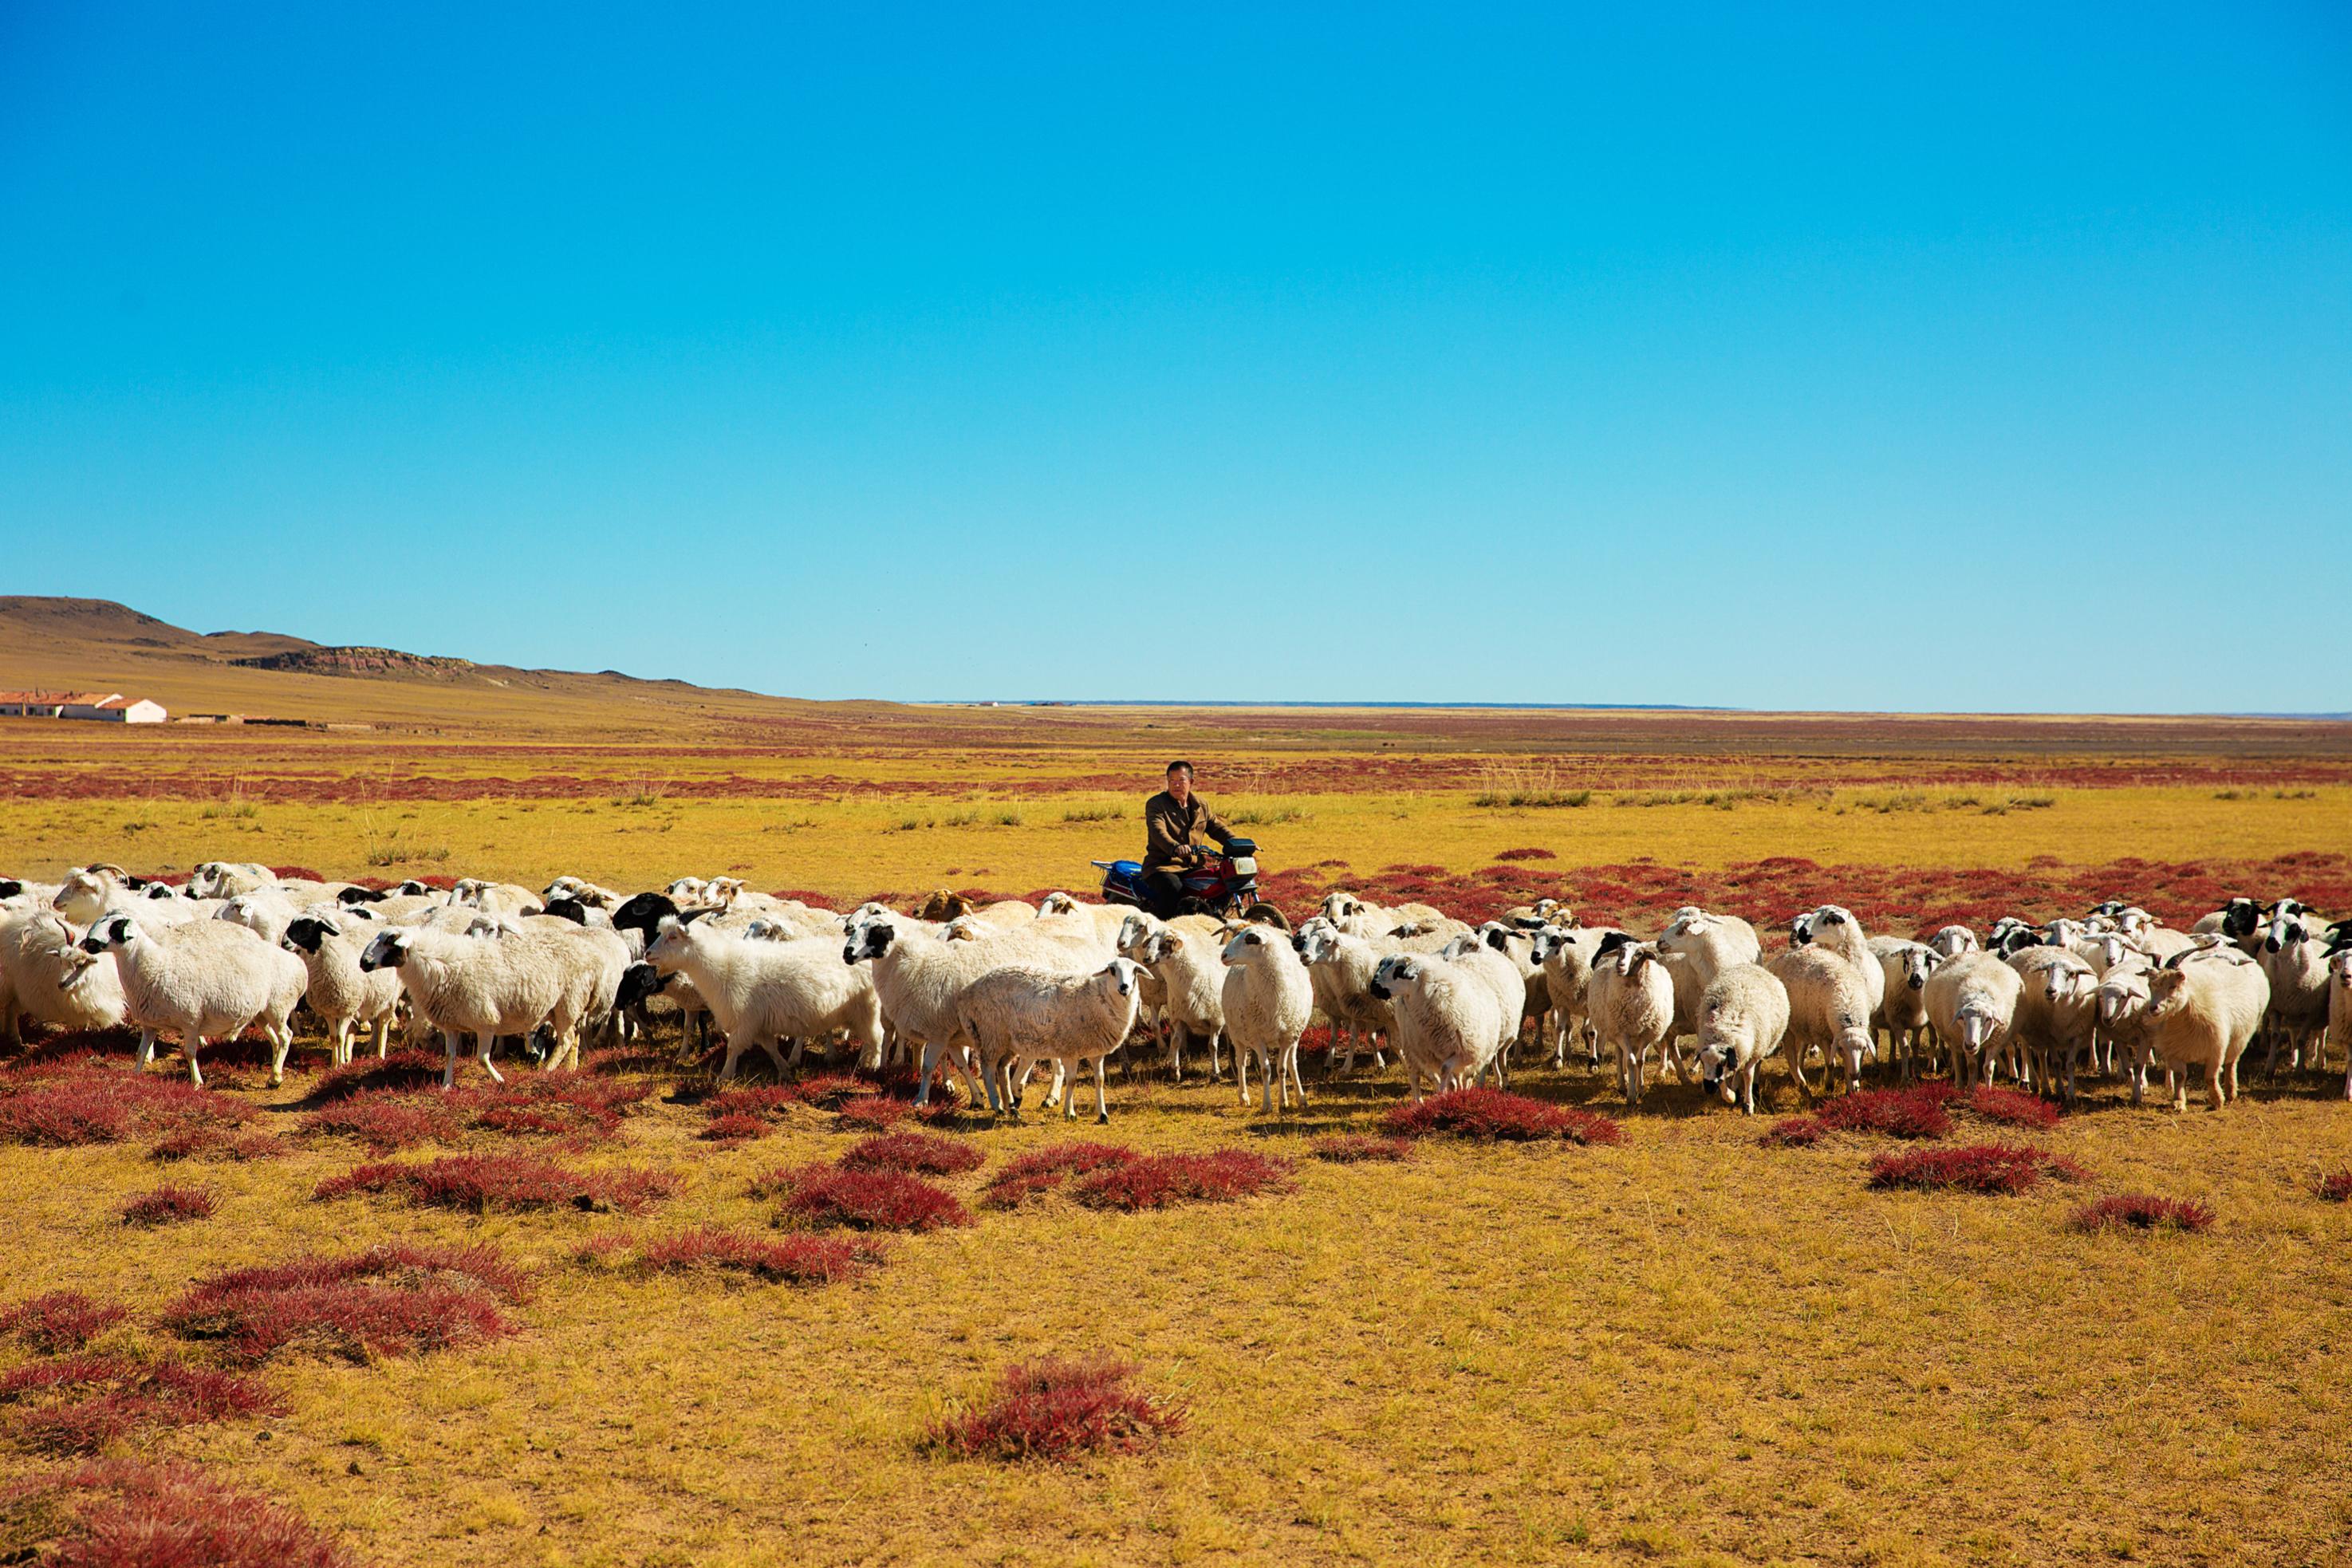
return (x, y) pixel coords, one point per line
(1222, 882)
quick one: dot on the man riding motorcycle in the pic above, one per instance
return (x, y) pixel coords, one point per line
(1173, 822)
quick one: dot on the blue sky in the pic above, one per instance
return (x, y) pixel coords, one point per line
(1841, 357)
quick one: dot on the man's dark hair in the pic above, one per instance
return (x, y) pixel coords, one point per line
(1179, 763)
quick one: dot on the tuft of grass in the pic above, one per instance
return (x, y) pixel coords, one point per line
(644, 792)
(2011, 1107)
(913, 1153)
(735, 1127)
(504, 1183)
(59, 1321)
(1164, 1181)
(386, 1301)
(875, 1113)
(2141, 1211)
(1999, 1168)
(1353, 1148)
(826, 1198)
(1096, 814)
(2335, 1186)
(170, 1203)
(1528, 853)
(1491, 1114)
(784, 1260)
(1914, 1112)
(1057, 1411)
(92, 1399)
(1042, 1171)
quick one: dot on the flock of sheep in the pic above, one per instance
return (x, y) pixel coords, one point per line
(996, 993)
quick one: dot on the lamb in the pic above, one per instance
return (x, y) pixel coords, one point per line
(1448, 1023)
(2202, 1014)
(1021, 1013)
(42, 976)
(1339, 967)
(2056, 1013)
(1902, 1008)
(761, 993)
(226, 878)
(1185, 956)
(1567, 957)
(202, 978)
(916, 979)
(1829, 1008)
(1833, 926)
(485, 986)
(2294, 959)
(1972, 1002)
(342, 995)
(1631, 998)
(1741, 1020)
(1268, 1000)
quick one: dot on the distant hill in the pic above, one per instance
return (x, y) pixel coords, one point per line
(87, 642)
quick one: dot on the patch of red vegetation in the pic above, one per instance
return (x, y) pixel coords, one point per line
(579, 1105)
(915, 1153)
(875, 1113)
(2011, 1107)
(831, 1092)
(1042, 1171)
(1917, 1111)
(169, 1204)
(385, 1301)
(197, 1143)
(59, 1321)
(2141, 1211)
(735, 1127)
(827, 1197)
(1164, 1181)
(1492, 1114)
(508, 1183)
(403, 1070)
(787, 1260)
(1972, 1168)
(386, 1119)
(82, 1102)
(1353, 1148)
(1059, 1410)
(1525, 855)
(764, 1100)
(2335, 1187)
(93, 1399)
(119, 1513)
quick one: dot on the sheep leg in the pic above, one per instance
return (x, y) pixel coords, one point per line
(1102, 1102)
(193, 1044)
(487, 1041)
(1296, 1083)
(146, 1046)
(1241, 1072)
(1796, 1058)
(2214, 1100)
(786, 1070)
(281, 1041)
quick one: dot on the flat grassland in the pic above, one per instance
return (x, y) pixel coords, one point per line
(1689, 1347)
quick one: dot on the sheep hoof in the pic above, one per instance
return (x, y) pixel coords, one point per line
(1102, 1119)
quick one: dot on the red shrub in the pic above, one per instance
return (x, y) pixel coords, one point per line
(1492, 1113)
(2141, 1211)
(1972, 1167)
(1794, 1132)
(1163, 1181)
(97, 1398)
(169, 1205)
(386, 1120)
(1059, 1410)
(1525, 855)
(117, 1513)
(915, 1153)
(877, 1113)
(507, 1183)
(736, 1127)
(2010, 1107)
(824, 1196)
(1042, 1171)
(830, 1090)
(403, 1070)
(387, 1300)
(766, 1100)
(1347, 1148)
(61, 1320)
(789, 1259)
(2335, 1187)
(108, 1104)
(576, 1105)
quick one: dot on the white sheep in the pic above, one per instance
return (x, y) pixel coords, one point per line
(1971, 1002)
(226, 878)
(1835, 928)
(1828, 1007)
(1631, 999)
(343, 995)
(1357, 918)
(764, 992)
(916, 979)
(1101, 922)
(1566, 954)
(1021, 1013)
(202, 979)
(1903, 1003)
(89, 893)
(1184, 956)
(1268, 1000)
(2202, 1014)
(1951, 942)
(2294, 959)
(1500, 972)
(2339, 1008)
(2057, 1013)
(506, 898)
(1449, 1022)
(1518, 944)
(43, 976)
(1339, 967)
(1741, 1020)
(485, 986)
